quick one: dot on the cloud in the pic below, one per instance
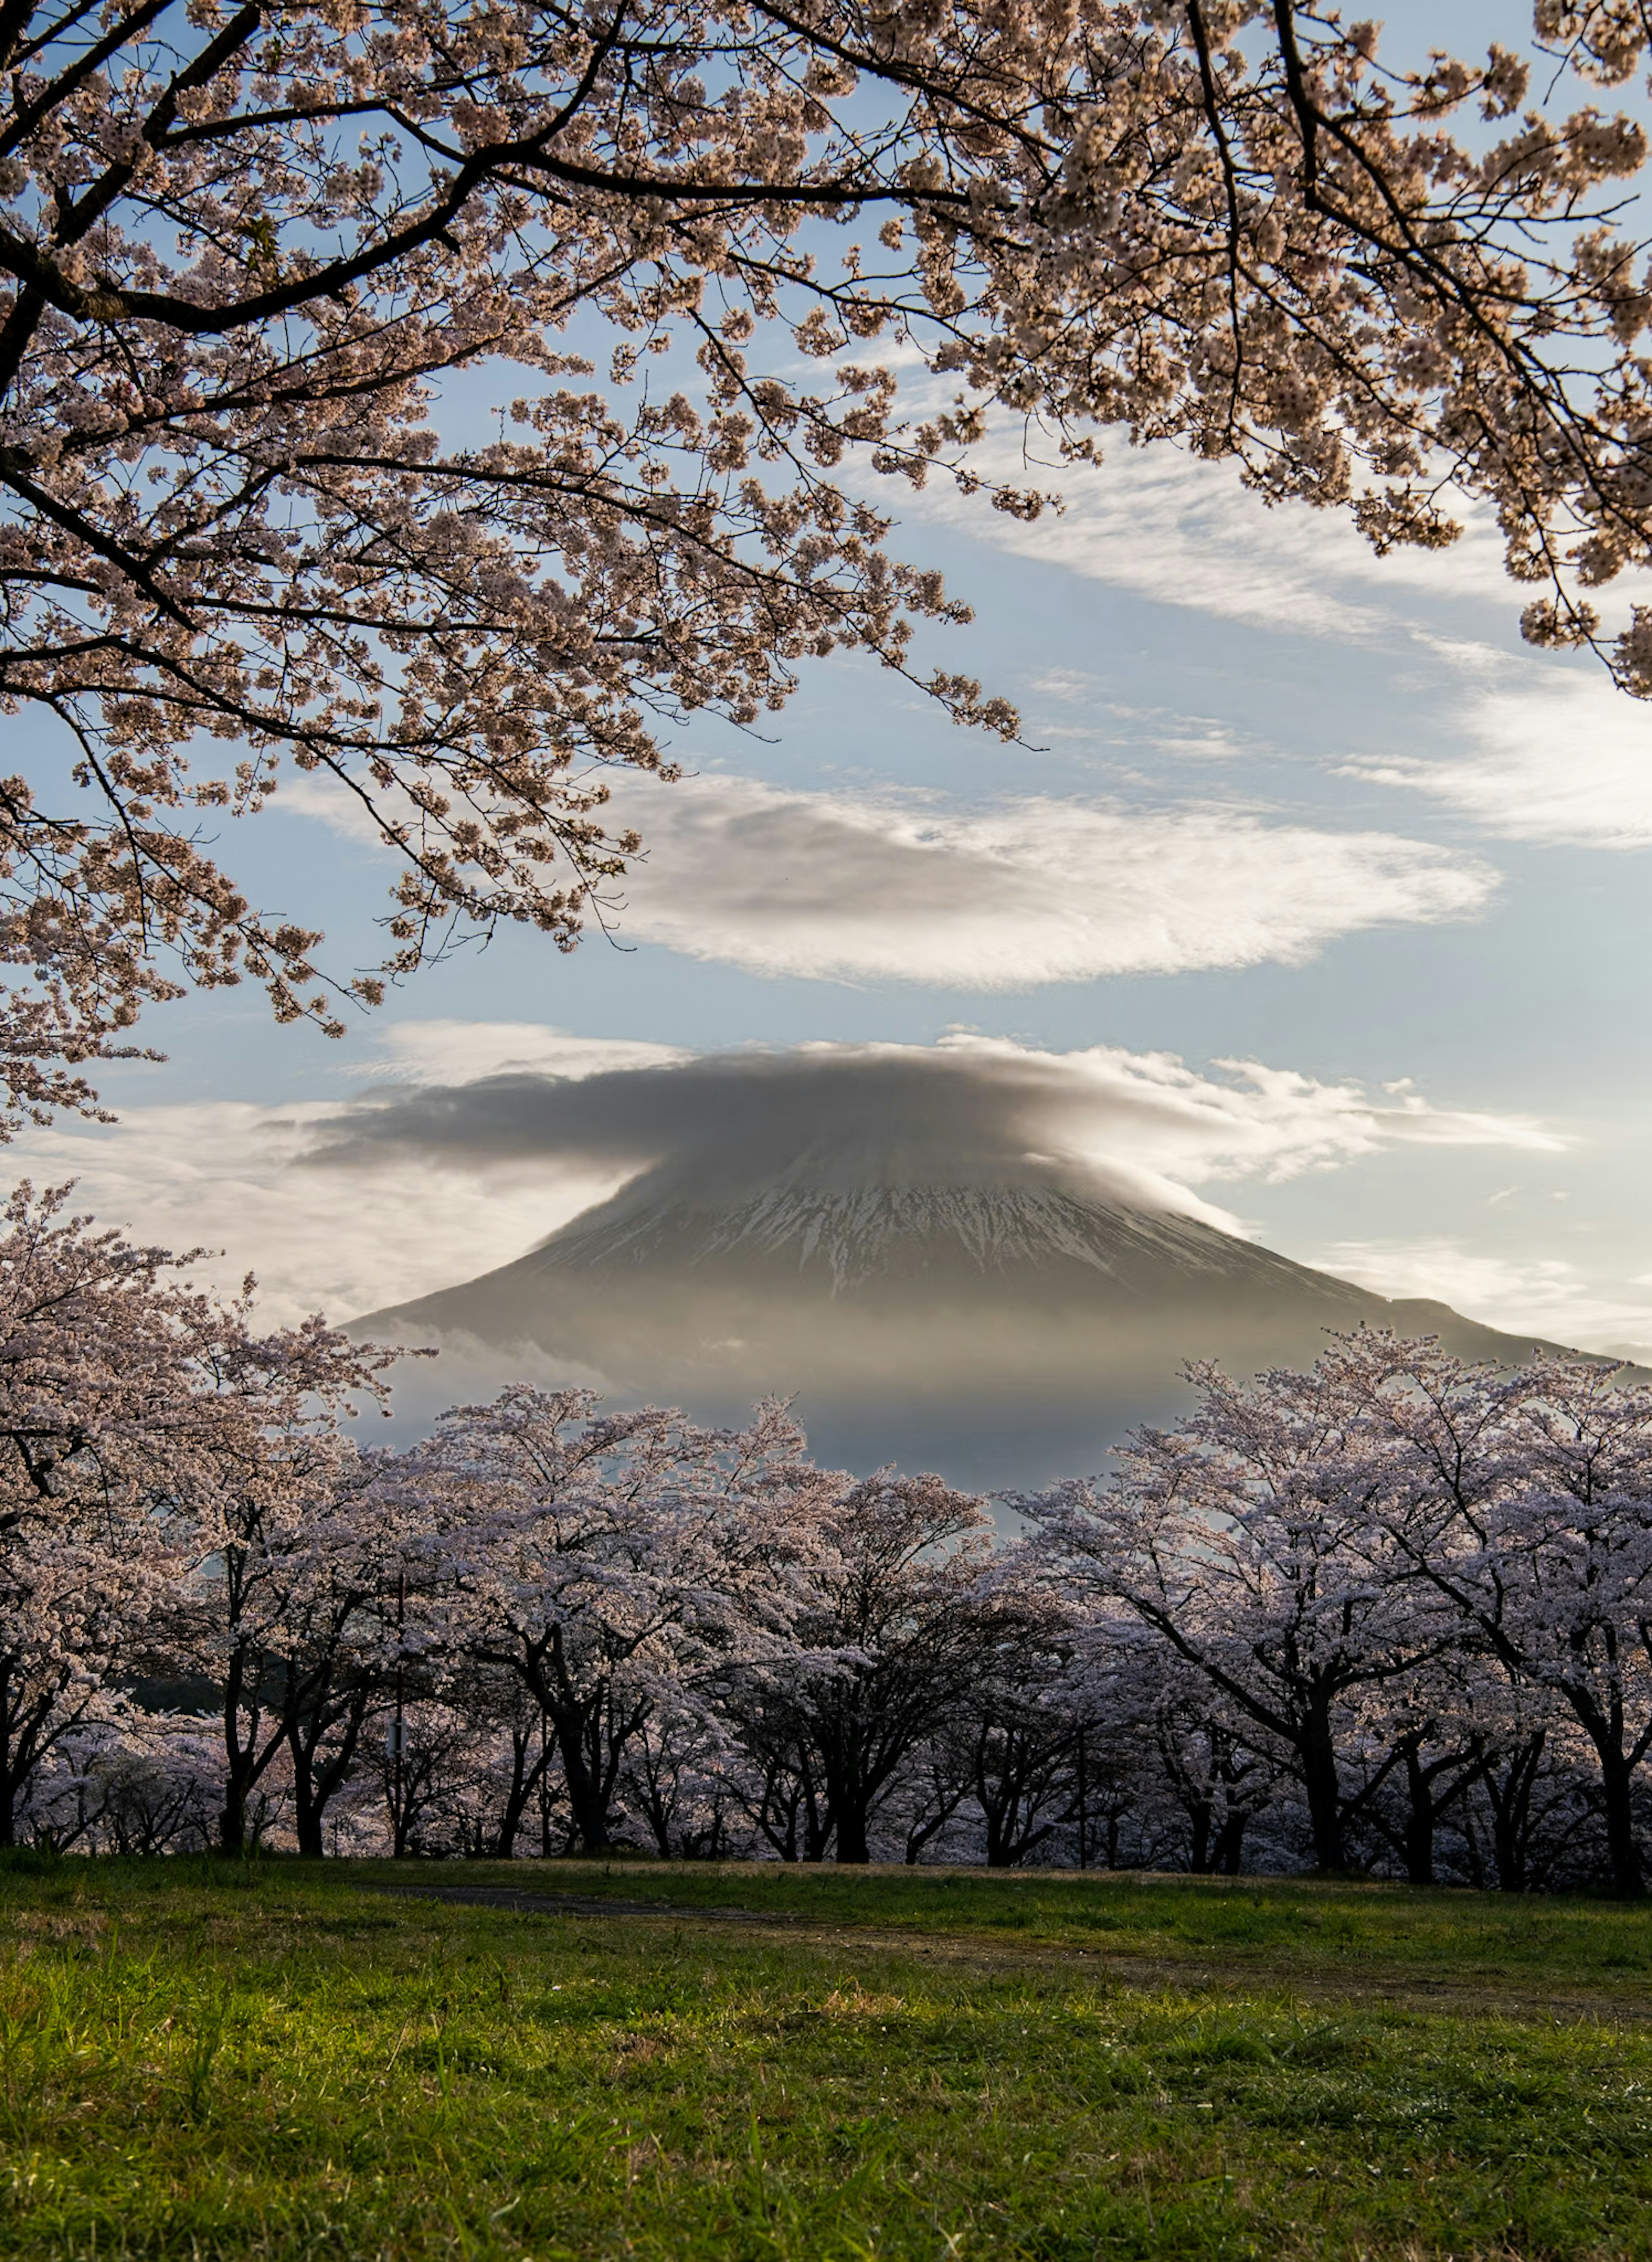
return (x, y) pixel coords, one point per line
(459, 1052)
(234, 1178)
(1181, 532)
(1553, 752)
(1544, 1297)
(868, 888)
(968, 1107)
(1032, 891)
(1558, 755)
(435, 1175)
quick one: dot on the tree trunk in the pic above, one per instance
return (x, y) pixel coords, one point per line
(853, 1845)
(318, 1773)
(1509, 1795)
(1230, 1845)
(587, 1805)
(524, 1782)
(1419, 1822)
(1323, 1792)
(817, 1825)
(1623, 1854)
(309, 1818)
(1199, 1861)
(1604, 1730)
(309, 1811)
(241, 1761)
(232, 1829)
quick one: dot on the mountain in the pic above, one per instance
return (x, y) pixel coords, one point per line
(1003, 1327)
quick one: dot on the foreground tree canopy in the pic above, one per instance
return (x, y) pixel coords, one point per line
(251, 518)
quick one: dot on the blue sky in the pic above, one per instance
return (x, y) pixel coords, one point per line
(1283, 803)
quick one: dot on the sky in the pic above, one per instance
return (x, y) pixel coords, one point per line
(1306, 843)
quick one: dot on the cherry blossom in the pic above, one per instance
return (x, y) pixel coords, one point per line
(421, 398)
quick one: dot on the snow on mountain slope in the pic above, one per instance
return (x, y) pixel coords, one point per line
(1001, 1329)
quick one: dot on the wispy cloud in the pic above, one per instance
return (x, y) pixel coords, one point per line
(1542, 1297)
(1036, 890)
(460, 1052)
(233, 1178)
(1156, 522)
(864, 886)
(1554, 754)
(1550, 751)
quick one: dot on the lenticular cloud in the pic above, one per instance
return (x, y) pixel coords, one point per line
(969, 1108)
(1026, 892)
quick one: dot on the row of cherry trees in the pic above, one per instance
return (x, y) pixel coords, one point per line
(1394, 1614)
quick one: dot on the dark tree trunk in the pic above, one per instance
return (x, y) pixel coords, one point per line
(853, 1845)
(1201, 1816)
(590, 1764)
(316, 1709)
(1420, 1815)
(1623, 1854)
(818, 1818)
(1604, 1729)
(309, 1813)
(24, 1743)
(588, 1807)
(1509, 1794)
(1230, 1845)
(1426, 1806)
(1323, 1793)
(232, 1829)
(243, 1763)
(525, 1781)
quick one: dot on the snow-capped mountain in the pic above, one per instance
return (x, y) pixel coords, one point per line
(1002, 1328)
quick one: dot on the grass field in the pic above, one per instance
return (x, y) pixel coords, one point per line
(203, 2060)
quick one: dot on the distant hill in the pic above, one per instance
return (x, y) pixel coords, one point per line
(1004, 1330)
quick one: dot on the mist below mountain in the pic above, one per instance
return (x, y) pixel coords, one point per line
(1004, 1320)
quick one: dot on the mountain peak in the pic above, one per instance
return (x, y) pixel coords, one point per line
(1004, 1325)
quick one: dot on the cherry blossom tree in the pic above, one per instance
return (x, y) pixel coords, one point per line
(1529, 1821)
(1015, 1739)
(261, 260)
(512, 1738)
(127, 1781)
(285, 1549)
(1541, 1540)
(109, 1419)
(609, 1562)
(1254, 1543)
(674, 1783)
(898, 1619)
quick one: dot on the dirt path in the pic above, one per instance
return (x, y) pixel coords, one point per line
(1473, 1996)
(506, 1896)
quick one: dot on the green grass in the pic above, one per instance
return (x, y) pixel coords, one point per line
(209, 2060)
(1303, 1931)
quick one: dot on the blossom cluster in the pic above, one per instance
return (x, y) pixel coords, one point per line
(453, 403)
